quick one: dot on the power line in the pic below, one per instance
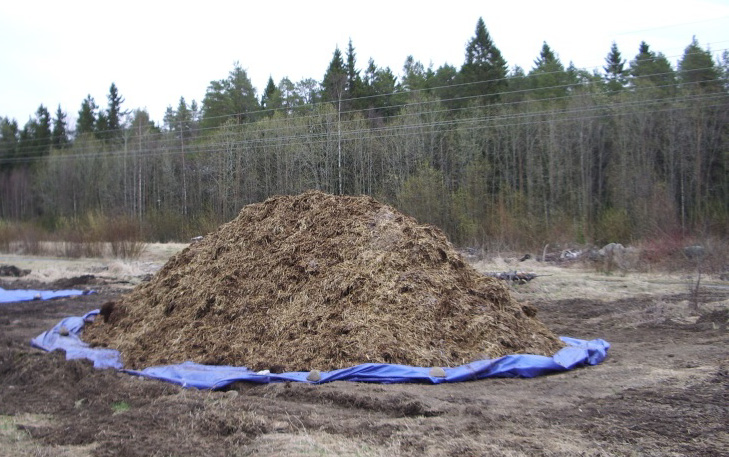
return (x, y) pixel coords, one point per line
(312, 109)
(397, 130)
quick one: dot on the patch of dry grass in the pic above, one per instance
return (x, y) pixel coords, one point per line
(97, 237)
(51, 267)
(315, 443)
(16, 441)
(582, 281)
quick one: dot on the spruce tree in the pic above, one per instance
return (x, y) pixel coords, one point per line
(268, 97)
(379, 86)
(114, 112)
(548, 78)
(9, 138)
(697, 71)
(86, 122)
(615, 69)
(183, 119)
(42, 135)
(101, 129)
(442, 83)
(335, 78)
(194, 113)
(484, 69)
(60, 134)
(35, 138)
(169, 119)
(650, 68)
(354, 81)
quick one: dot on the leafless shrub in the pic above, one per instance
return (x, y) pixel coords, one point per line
(76, 241)
(124, 236)
(6, 237)
(30, 238)
(696, 254)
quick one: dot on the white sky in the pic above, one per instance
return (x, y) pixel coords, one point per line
(57, 52)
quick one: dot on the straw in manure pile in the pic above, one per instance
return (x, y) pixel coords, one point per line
(317, 281)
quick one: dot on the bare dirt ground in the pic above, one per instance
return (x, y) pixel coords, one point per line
(664, 389)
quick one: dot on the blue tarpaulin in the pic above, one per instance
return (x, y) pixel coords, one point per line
(7, 296)
(66, 335)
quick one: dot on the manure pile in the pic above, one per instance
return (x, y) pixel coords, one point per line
(317, 281)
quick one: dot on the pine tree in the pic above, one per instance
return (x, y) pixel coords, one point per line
(413, 74)
(233, 97)
(309, 91)
(286, 95)
(242, 95)
(141, 124)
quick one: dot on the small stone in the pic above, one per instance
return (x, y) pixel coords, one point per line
(313, 376)
(63, 331)
(437, 372)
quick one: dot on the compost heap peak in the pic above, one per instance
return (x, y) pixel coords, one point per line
(317, 281)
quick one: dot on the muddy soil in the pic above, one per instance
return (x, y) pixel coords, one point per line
(664, 390)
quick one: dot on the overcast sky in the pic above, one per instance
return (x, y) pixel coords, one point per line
(57, 52)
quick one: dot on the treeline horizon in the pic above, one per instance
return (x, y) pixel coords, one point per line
(497, 158)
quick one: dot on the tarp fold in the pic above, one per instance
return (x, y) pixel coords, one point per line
(13, 295)
(66, 335)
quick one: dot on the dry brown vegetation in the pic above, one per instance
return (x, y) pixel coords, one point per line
(119, 237)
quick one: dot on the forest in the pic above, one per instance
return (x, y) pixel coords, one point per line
(498, 157)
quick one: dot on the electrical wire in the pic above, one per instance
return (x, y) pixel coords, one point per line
(21, 155)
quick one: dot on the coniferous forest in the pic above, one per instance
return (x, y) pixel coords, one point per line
(497, 157)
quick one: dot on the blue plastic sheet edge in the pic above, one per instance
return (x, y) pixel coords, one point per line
(66, 335)
(8, 296)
